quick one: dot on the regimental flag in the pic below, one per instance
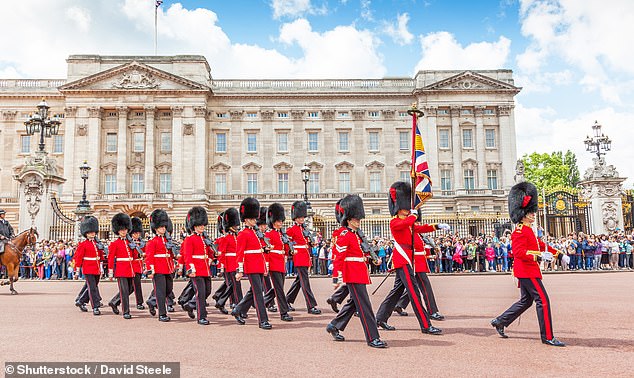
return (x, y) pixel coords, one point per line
(420, 168)
(158, 3)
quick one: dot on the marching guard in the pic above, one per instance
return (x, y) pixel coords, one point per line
(268, 286)
(159, 260)
(355, 275)
(399, 203)
(220, 246)
(277, 259)
(120, 262)
(341, 291)
(251, 262)
(228, 258)
(188, 291)
(88, 258)
(135, 241)
(301, 259)
(528, 251)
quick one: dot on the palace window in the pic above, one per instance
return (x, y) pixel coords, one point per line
(25, 142)
(252, 183)
(111, 142)
(58, 144)
(403, 140)
(375, 182)
(282, 183)
(492, 179)
(469, 179)
(221, 183)
(465, 111)
(165, 183)
(222, 115)
(221, 142)
(445, 179)
(282, 115)
(373, 114)
(138, 142)
(252, 142)
(373, 139)
(313, 182)
(344, 182)
(252, 115)
(313, 114)
(313, 142)
(443, 112)
(489, 111)
(405, 176)
(402, 114)
(343, 141)
(166, 142)
(138, 114)
(137, 183)
(282, 142)
(467, 138)
(443, 138)
(490, 138)
(343, 115)
(111, 184)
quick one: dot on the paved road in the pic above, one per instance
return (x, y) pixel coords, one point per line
(593, 313)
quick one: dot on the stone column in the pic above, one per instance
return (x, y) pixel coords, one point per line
(70, 114)
(7, 135)
(94, 150)
(269, 142)
(480, 145)
(236, 148)
(295, 183)
(456, 148)
(122, 150)
(431, 142)
(200, 153)
(177, 149)
(356, 143)
(150, 150)
(602, 187)
(507, 148)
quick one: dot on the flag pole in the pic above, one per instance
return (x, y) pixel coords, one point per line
(157, 3)
(415, 113)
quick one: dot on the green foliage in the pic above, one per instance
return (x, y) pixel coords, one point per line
(551, 170)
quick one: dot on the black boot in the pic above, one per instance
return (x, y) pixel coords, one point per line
(432, 330)
(222, 309)
(385, 326)
(238, 317)
(96, 312)
(554, 342)
(203, 321)
(82, 307)
(332, 304)
(164, 318)
(377, 343)
(332, 330)
(114, 308)
(287, 318)
(498, 327)
(437, 316)
(266, 325)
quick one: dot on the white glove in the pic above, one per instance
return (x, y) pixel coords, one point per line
(414, 211)
(443, 226)
(547, 256)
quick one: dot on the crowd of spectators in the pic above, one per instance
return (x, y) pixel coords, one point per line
(447, 253)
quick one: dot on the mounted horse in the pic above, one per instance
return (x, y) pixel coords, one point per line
(12, 255)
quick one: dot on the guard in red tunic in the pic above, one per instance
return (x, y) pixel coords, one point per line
(220, 248)
(299, 233)
(341, 291)
(277, 259)
(136, 242)
(159, 260)
(231, 224)
(251, 262)
(528, 251)
(88, 258)
(188, 291)
(266, 245)
(198, 255)
(355, 275)
(399, 202)
(120, 262)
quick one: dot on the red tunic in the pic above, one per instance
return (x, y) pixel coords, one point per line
(401, 229)
(354, 266)
(220, 243)
(230, 254)
(137, 264)
(197, 255)
(88, 257)
(249, 252)
(120, 251)
(277, 255)
(302, 249)
(158, 257)
(526, 249)
(336, 262)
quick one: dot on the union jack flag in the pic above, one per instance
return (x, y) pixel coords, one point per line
(158, 3)
(420, 168)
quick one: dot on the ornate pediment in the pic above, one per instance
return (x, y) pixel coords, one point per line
(220, 167)
(470, 81)
(375, 165)
(404, 164)
(283, 166)
(315, 165)
(109, 168)
(133, 76)
(344, 165)
(252, 166)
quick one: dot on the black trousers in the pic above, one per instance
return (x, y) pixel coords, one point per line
(126, 286)
(136, 288)
(426, 290)
(359, 301)
(90, 291)
(221, 290)
(187, 294)
(233, 290)
(340, 294)
(301, 281)
(266, 282)
(531, 289)
(254, 297)
(202, 289)
(163, 285)
(404, 284)
(276, 292)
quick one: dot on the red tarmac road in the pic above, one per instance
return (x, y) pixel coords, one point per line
(592, 313)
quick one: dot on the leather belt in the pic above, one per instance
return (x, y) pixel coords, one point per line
(278, 251)
(250, 251)
(355, 259)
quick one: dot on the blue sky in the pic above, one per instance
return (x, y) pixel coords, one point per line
(572, 58)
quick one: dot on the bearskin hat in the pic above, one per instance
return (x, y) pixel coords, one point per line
(299, 210)
(89, 224)
(523, 199)
(188, 228)
(197, 216)
(137, 225)
(262, 218)
(170, 227)
(338, 211)
(399, 197)
(352, 206)
(231, 218)
(220, 227)
(120, 222)
(159, 218)
(275, 213)
(249, 209)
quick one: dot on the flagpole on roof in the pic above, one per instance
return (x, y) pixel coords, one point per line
(157, 4)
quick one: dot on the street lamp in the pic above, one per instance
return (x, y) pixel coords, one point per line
(84, 169)
(599, 143)
(306, 178)
(40, 122)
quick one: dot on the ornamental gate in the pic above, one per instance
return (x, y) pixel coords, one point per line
(628, 210)
(565, 213)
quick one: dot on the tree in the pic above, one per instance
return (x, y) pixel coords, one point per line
(551, 170)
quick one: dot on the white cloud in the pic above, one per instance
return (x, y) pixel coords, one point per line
(440, 50)
(80, 16)
(543, 81)
(295, 8)
(398, 32)
(591, 36)
(542, 130)
(366, 10)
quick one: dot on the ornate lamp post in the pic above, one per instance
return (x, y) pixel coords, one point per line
(598, 144)
(305, 179)
(40, 122)
(84, 169)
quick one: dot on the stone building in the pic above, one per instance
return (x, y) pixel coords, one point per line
(159, 131)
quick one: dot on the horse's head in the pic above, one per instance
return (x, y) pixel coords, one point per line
(31, 237)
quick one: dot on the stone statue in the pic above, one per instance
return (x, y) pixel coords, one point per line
(519, 172)
(600, 170)
(609, 213)
(33, 192)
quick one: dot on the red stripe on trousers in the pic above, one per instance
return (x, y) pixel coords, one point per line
(364, 322)
(415, 297)
(549, 332)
